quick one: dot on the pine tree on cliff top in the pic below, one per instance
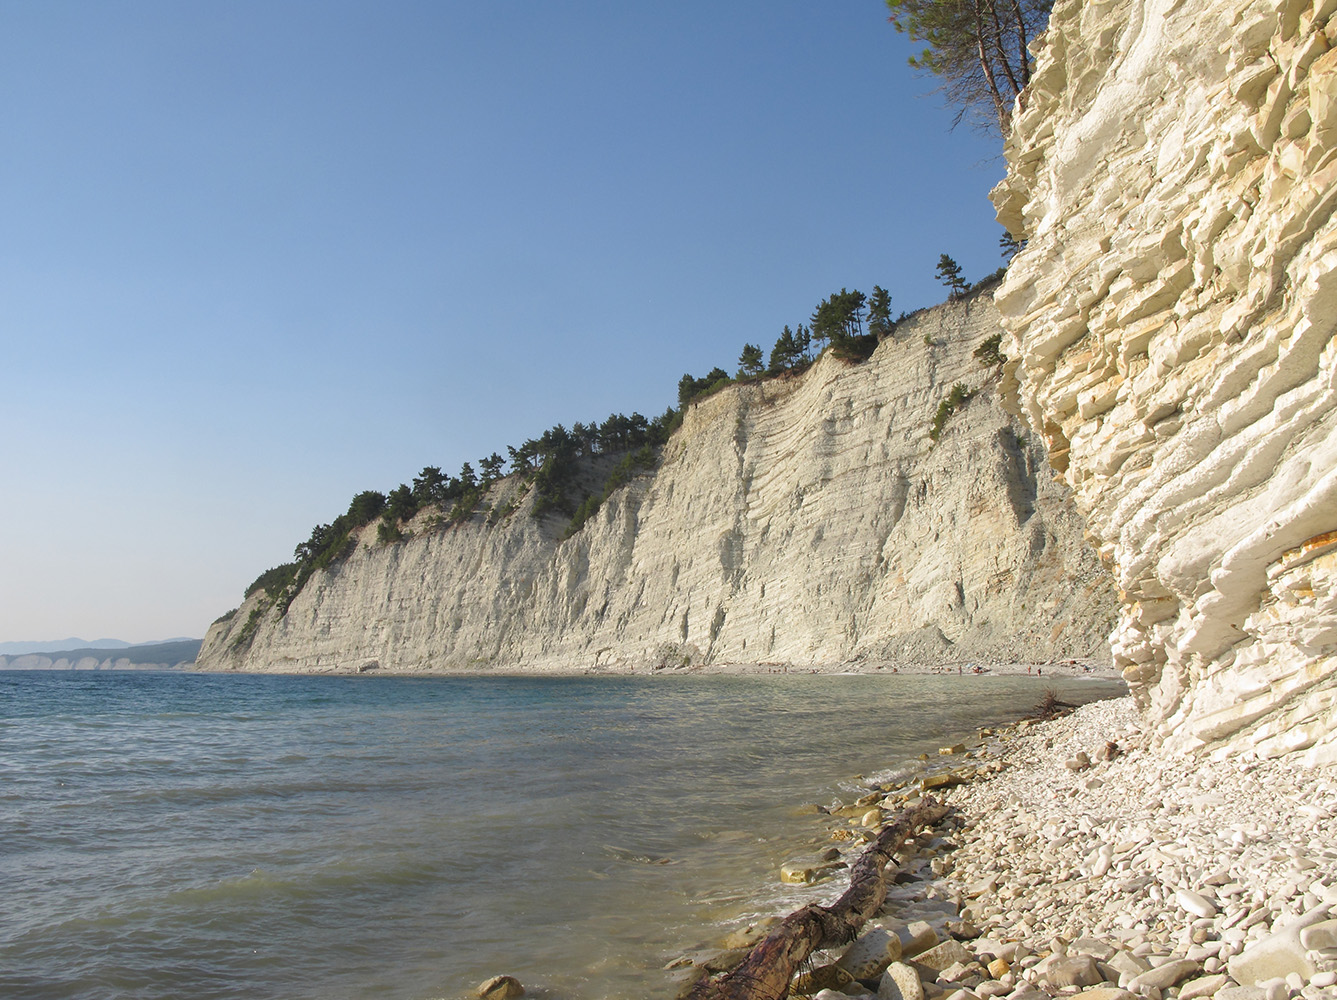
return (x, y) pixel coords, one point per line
(977, 48)
(949, 273)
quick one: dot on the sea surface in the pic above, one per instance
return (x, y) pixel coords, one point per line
(203, 836)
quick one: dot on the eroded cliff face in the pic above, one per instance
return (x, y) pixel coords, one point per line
(804, 520)
(1172, 321)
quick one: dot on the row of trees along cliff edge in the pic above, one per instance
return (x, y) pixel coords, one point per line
(848, 323)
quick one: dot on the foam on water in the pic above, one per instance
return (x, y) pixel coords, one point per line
(296, 837)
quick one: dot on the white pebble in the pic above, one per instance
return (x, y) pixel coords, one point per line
(1198, 905)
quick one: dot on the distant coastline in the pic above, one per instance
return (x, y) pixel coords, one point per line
(174, 654)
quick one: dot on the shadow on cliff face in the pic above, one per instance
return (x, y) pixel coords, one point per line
(1018, 474)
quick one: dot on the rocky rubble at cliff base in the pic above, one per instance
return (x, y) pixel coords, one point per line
(1078, 862)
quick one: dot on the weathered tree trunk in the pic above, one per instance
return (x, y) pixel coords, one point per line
(765, 973)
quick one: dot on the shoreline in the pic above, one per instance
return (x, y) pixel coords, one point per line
(1060, 668)
(1081, 860)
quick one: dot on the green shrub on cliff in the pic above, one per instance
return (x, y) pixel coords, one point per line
(955, 399)
(622, 473)
(274, 581)
(988, 353)
(252, 624)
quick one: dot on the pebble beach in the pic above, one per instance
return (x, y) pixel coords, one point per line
(1080, 860)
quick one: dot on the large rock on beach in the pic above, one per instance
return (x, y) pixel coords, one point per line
(1274, 957)
(869, 955)
(1162, 977)
(900, 982)
(941, 956)
(917, 936)
(1063, 971)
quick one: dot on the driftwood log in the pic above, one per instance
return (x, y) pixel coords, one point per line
(766, 972)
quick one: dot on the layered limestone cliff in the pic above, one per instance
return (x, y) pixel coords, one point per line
(803, 520)
(1174, 170)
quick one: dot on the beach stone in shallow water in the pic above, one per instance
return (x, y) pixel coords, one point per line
(800, 871)
(500, 988)
(725, 960)
(824, 977)
(746, 937)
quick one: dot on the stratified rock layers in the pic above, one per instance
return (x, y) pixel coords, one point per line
(1171, 327)
(802, 520)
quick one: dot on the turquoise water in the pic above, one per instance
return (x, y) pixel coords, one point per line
(210, 836)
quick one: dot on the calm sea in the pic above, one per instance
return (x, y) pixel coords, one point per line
(204, 836)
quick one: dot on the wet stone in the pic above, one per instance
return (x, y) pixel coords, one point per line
(824, 977)
(499, 988)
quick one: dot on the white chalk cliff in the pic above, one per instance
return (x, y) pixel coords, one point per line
(1171, 323)
(801, 520)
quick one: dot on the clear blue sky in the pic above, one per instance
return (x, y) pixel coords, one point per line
(258, 256)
